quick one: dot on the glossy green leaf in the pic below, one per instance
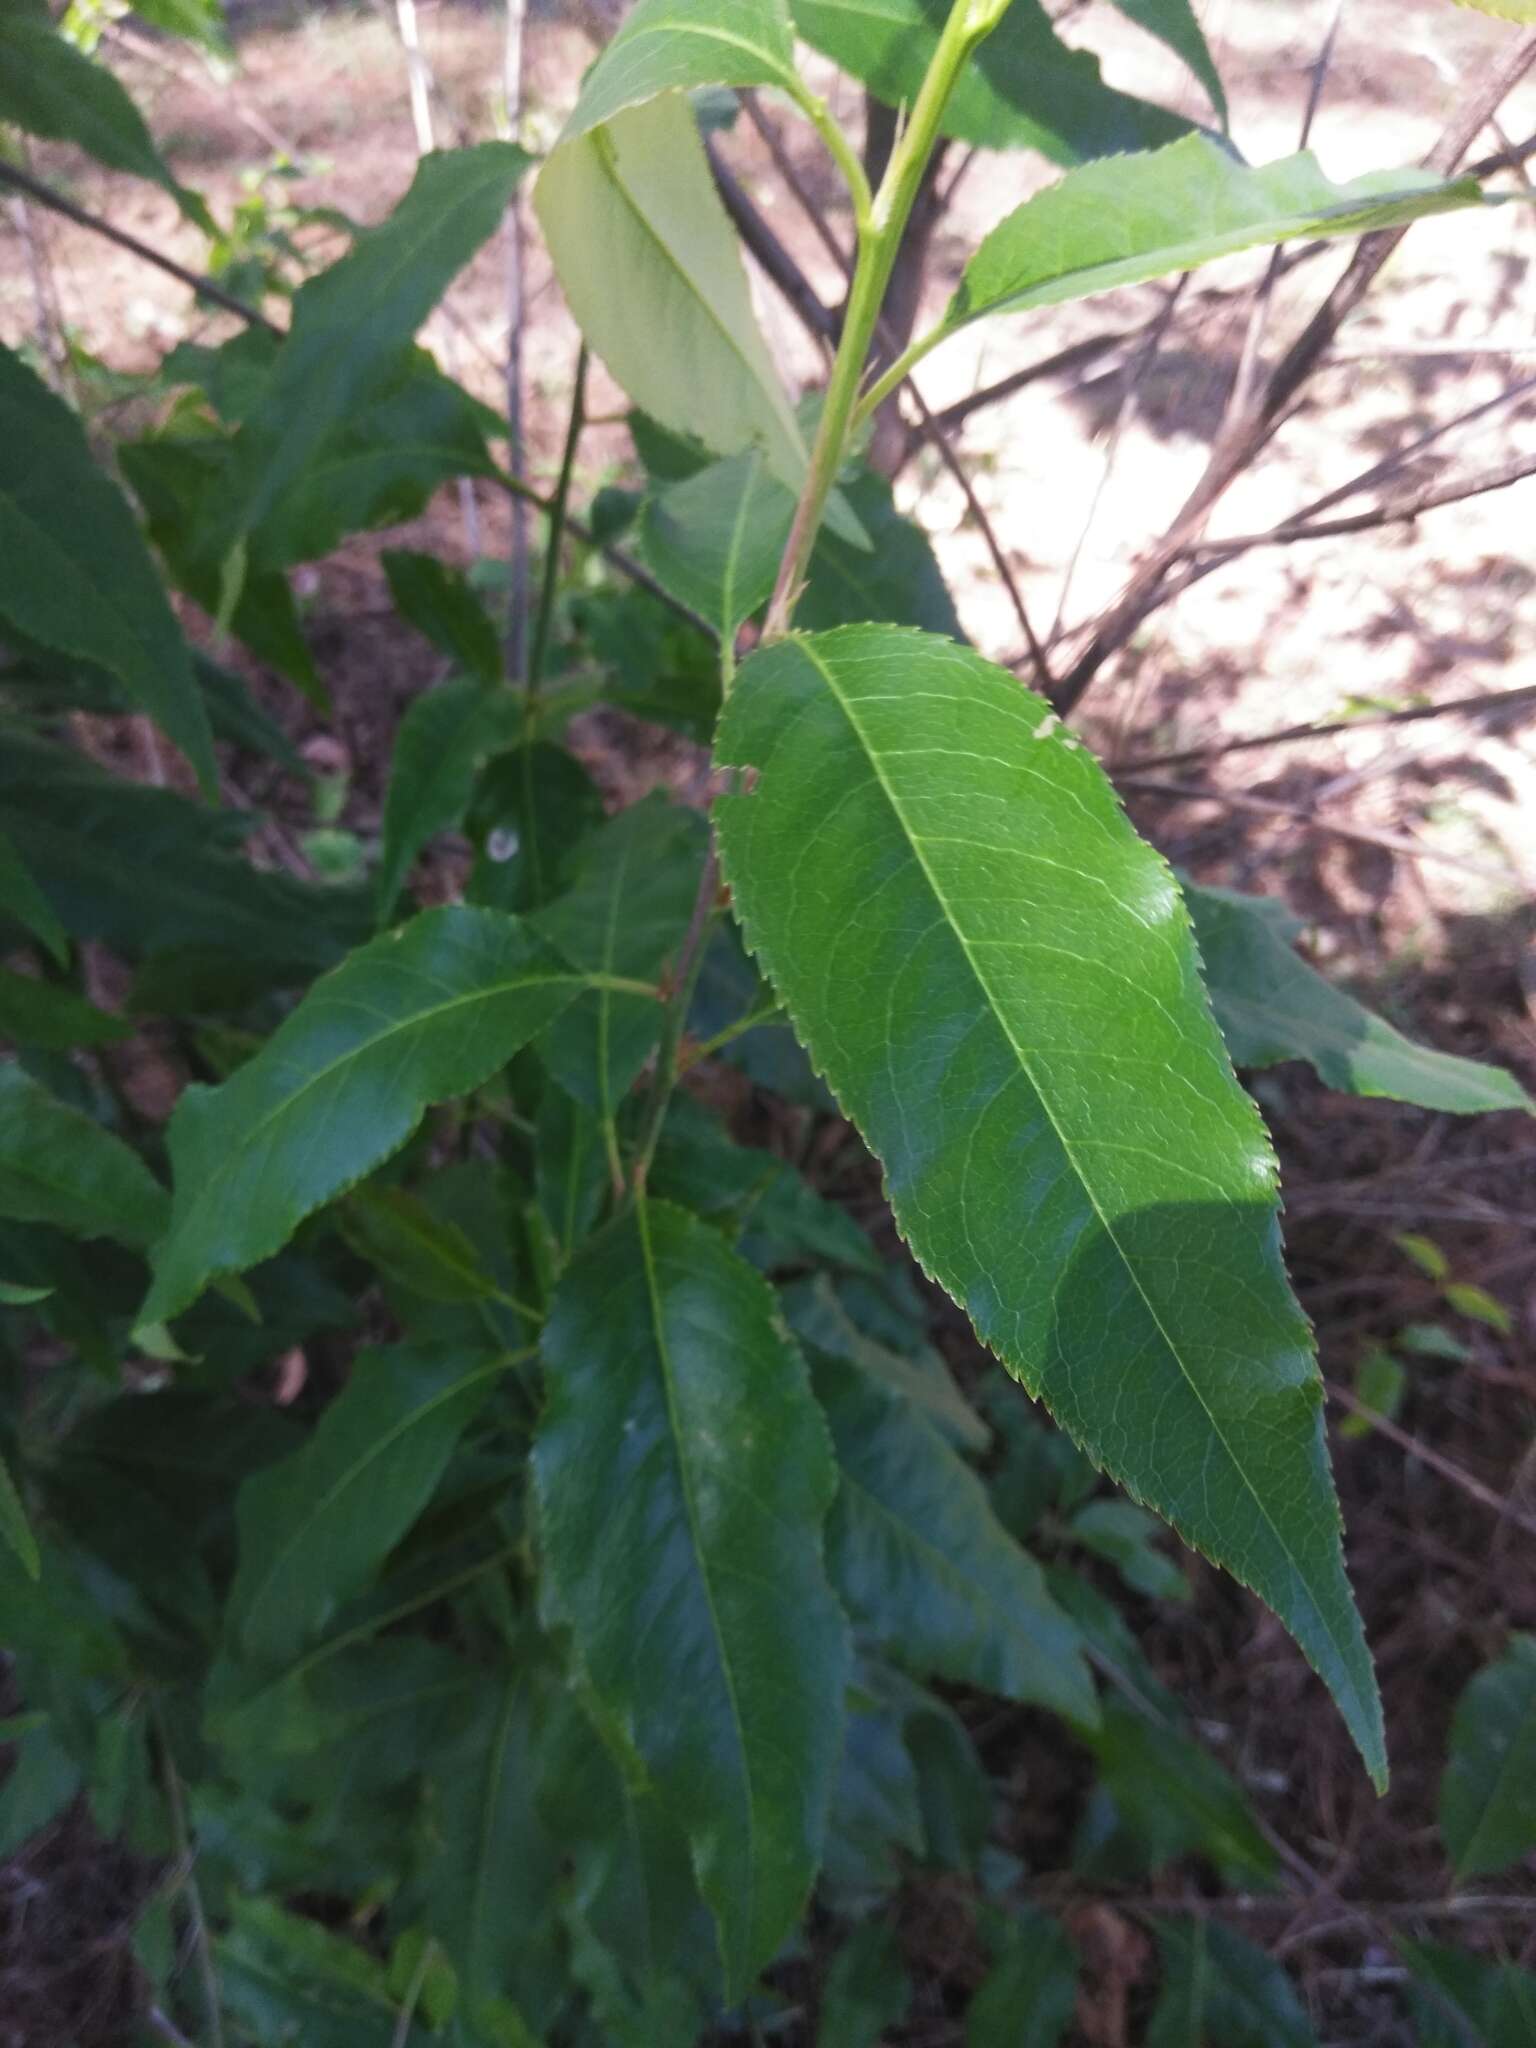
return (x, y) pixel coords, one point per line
(23, 900)
(714, 540)
(438, 601)
(650, 266)
(683, 1474)
(1024, 89)
(896, 579)
(1129, 219)
(34, 1012)
(1272, 1006)
(625, 914)
(443, 740)
(1460, 2000)
(866, 1990)
(1219, 1987)
(315, 1526)
(923, 1565)
(1032, 1990)
(351, 322)
(1488, 1793)
(58, 1166)
(74, 571)
(1125, 1534)
(14, 1526)
(998, 978)
(425, 1012)
(679, 45)
(50, 88)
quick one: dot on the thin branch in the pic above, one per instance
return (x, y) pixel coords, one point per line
(559, 514)
(770, 253)
(1270, 807)
(1435, 1460)
(788, 170)
(1499, 478)
(1236, 448)
(204, 287)
(1483, 706)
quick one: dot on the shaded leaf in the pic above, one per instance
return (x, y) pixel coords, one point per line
(286, 1978)
(23, 900)
(1462, 2001)
(1125, 1534)
(714, 540)
(39, 1013)
(1488, 1792)
(17, 1531)
(1032, 1990)
(677, 45)
(818, 1313)
(920, 1561)
(532, 809)
(315, 1526)
(1024, 89)
(425, 1012)
(1175, 23)
(683, 1474)
(444, 737)
(1022, 1036)
(1219, 1987)
(866, 1990)
(897, 578)
(50, 88)
(650, 266)
(1272, 1006)
(59, 1166)
(351, 322)
(438, 601)
(1161, 1795)
(42, 1781)
(75, 574)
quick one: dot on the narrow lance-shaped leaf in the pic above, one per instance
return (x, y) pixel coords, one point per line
(650, 266)
(23, 900)
(1219, 1987)
(423, 1013)
(1488, 1793)
(57, 1166)
(50, 88)
(438, 601)
(1024, 89)
(923, 1564)
(1175, 23)
(314, 1527)
(1138, 217)
(351, 322)
(677, 45)
(1272, 1006)
(1032, 1991)
(997, 977)
(14, 1526)
(75, 575)
(443, 739)
(683, 1474)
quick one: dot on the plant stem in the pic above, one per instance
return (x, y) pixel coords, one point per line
(685, 978)
(880, 235)
(559, 512)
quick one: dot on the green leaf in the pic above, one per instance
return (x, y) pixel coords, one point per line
(1488, 1793)
(533, 809)
(286, 1978)
(200, 21)
(683, 1474)
(998, 978)
(38, 1013)
(43, 1780)
(14, 1296)
(396, 1232)
(425, 1012)
(625, 914)
(896, 579)
(1219, 1987)
(1161, 1795)
(58, 1166)
(866, 1990)
(1175, 23)
(314, 1527)
(50, 88)
(1506, 10)
(1124, 1534)
(1480, 1305)
(443, 740)
(439, 602)
(1272, 1006)
(1133, 218)
(715, 539)
(923, 1565)
(23, 900)
(1380, 1382)
(351, 322)
(678, 45)
(650, 266)
(14, 1526)
(1468, 2003)
(1024, 89)
(75, 574)
(1032, 1991)
(819, 1315)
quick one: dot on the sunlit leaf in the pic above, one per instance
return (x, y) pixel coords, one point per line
(678, 45)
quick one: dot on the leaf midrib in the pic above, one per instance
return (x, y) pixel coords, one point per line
(876, 769)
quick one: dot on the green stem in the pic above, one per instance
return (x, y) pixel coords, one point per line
(880, 236)
(559, 512)
(841, 151)
(899, 372)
